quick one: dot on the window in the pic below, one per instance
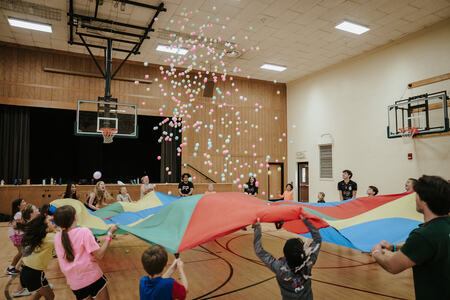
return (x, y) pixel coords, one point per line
(326, 161)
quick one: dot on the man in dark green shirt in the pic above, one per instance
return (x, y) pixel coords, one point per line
(427, 249)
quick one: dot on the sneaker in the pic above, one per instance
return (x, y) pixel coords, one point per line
(21, 293)
(12, 271)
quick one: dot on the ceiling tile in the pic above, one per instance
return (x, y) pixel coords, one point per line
(297, 33)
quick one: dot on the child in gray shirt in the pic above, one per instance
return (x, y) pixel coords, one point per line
(293, 271)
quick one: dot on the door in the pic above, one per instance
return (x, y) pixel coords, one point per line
(303, 182)
(276, 180)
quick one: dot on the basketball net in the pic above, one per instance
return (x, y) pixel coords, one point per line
(108, 134)
(408, 133)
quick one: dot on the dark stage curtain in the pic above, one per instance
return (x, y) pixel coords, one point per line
(169, 156)
(14, 143)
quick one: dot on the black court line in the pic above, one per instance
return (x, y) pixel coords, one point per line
(200, 260)
(324, 282)
(258, 262)
(240, 289)
(198, 250)
(8, 284)
(230, 275)
(360, 290)
(363, 263)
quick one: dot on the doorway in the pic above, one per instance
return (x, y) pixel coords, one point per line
(275, 180)
(303, 182)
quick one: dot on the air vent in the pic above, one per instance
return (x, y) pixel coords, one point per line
(233, 53)
(38, 10)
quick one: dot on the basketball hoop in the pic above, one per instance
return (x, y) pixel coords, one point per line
(108, 134)
(408, 133)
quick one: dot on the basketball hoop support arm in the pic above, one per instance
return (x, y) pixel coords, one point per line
(108, 65)
(83, 21)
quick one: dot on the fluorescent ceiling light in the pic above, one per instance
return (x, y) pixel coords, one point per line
(352, 27)
(30, 25)
(273, 67)
(173, 50)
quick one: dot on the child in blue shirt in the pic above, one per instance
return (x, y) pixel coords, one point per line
(157, 287)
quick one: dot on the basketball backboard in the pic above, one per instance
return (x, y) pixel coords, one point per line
(428, 113)
(94, 115)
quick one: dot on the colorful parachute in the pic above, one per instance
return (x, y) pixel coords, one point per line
(363, 222)
(180, 224)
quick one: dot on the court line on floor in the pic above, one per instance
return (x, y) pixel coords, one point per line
(323, 250)
(240, 289)
(8, 284)
(243, 257)
(227, 248)
(324, 282)
(357, 289)
(230, 275)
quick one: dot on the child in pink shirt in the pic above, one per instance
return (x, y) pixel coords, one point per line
(77, 252)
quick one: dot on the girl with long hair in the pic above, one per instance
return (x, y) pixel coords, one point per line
(77, 252)
(26, 213)
(251, 187)
(37, 249)
(15, 234)
(293, 271)
(71, 191)
(99, 197)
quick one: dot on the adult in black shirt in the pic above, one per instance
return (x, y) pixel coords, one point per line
(427, 248)
(250, 186)
(185, 187)
(347, 188)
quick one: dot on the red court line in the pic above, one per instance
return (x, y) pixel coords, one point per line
(226, 247)
(363, 263)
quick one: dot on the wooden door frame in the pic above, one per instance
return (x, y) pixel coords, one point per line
(268, 179)
(299, 179)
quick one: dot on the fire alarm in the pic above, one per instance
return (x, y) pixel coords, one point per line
(409, 156)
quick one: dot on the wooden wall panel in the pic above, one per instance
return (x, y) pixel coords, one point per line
(40, 194)
(23, 82)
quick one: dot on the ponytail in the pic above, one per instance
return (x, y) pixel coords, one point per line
(34, 233)
(67, 245)
(64, 217)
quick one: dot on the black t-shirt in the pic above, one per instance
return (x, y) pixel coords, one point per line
(428, 247)
(185, 187)
(251, 190)
(347, 189)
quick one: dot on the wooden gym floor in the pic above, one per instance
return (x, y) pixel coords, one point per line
(229, 269)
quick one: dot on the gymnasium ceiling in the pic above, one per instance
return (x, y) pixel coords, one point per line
(298, 34)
